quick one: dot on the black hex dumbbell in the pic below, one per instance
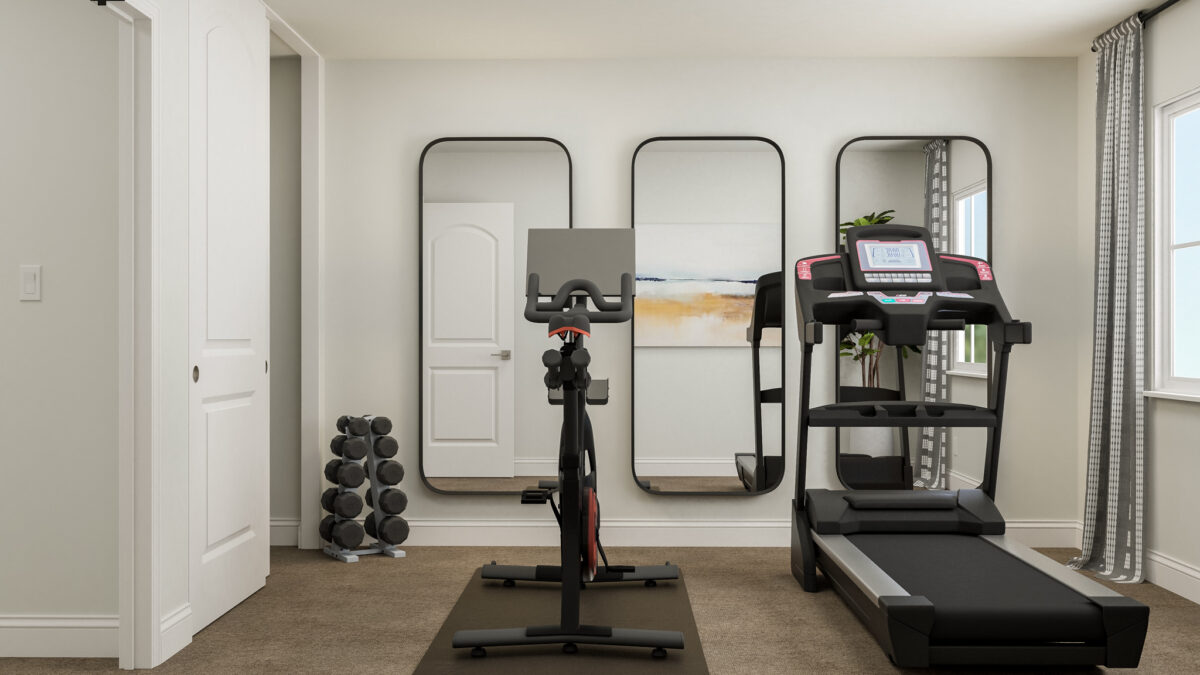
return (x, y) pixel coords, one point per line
(346, 474)
(386, 446)
(389, 472)
(392, 530)
(344, 504)
(347, 533)
(381, 426)
(354, 448)
(391, 501)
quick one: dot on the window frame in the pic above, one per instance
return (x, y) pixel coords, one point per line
(1164, 383)
(960, 366)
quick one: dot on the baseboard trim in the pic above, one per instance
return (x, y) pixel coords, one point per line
(176, 630)
(73, 636)
(1173, 574)
(529, 466)
(285, 531)
(616, 532)
(685, 466)
(1046, 533)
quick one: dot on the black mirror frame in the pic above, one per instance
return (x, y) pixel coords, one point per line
(837, 244)
(783, 329)
(421, 286)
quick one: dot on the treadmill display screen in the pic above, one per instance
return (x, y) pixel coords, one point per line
(893, 256)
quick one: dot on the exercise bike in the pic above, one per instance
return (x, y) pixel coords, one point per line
(577, 509)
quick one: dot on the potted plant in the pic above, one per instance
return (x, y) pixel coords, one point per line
(866, 349)
(869, 219)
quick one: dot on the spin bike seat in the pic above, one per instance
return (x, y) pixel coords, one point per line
(573, 323)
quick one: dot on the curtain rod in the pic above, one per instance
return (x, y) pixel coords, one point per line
(1146, 14)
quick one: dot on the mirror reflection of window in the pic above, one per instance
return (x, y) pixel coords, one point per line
(969, 237)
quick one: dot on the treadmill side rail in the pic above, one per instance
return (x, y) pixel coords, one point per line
(869, 577)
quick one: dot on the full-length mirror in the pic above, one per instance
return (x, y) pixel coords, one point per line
(708, 213)
(942, 183)
(484, 414)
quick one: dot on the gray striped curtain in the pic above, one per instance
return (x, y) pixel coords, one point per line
(1112, 522)
(934, 448)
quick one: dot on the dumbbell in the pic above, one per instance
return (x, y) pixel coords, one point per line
(335, 446)
(357, 426)
(347, 533)
(381, 426)
(342, 422)
(326, 527)
(354, 448)
(344, 504)
(391, 501)
(386, 446)
(392, 530)
(346, 474)
(389, 472)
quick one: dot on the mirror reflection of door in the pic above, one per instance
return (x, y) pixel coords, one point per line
(942, 183)
(707, 335)
(485, 423)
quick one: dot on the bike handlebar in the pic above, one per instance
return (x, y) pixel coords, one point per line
(607, 311)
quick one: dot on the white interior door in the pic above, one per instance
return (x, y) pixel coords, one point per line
(469, 314)
(229, 305)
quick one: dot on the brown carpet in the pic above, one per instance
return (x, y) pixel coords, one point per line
(487, 604)
(317, 615)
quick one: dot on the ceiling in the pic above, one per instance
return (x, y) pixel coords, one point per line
(602, 29)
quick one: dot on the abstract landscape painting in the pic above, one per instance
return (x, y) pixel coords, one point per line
(695, 283)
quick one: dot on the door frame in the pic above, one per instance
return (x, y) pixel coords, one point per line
(312, 281)
(139, 286)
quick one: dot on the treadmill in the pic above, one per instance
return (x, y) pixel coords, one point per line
(757, 471)
(931, 573)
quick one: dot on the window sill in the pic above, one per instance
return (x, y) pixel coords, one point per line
(1173, 395)
(978, 375)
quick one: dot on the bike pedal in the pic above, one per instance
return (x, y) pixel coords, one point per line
(535, 495)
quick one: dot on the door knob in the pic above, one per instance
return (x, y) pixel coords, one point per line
(195, 373)
(504, 354)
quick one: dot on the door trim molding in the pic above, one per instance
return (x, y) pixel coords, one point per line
(312, 276)
(139, 388)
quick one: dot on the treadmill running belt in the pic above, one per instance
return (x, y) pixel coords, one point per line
(980, 593)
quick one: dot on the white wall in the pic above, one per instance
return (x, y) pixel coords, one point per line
(382, 113)
(285, 298)
(1172, 463)
(694, 405)
(536, 183)
(59, 209)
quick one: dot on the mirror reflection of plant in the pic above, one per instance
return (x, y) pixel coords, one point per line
(869, 219)
(866, 349)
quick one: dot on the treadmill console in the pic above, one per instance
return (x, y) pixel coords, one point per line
(891, 281)
(892, 257)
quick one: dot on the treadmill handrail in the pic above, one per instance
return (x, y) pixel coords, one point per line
(869, 577)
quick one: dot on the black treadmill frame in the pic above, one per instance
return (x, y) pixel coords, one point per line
(902, 623)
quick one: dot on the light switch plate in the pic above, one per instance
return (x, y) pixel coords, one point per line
(30, 283)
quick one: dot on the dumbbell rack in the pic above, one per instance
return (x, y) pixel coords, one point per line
(377, 429)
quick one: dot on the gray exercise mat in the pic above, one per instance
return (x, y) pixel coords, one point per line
(488, 604)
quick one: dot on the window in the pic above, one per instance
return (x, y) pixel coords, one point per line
(968, 236)
(1177, 248)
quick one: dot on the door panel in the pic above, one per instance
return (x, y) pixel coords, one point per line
(229, 305)
(469, 324)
